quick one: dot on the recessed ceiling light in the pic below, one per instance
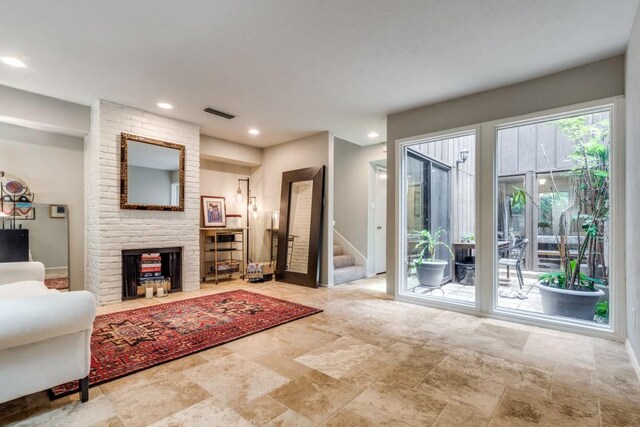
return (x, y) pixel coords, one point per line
(14, 62)
(254, 131)
(165, 105)
(373, 134)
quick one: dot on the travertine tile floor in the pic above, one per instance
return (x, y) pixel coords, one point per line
(365, 361)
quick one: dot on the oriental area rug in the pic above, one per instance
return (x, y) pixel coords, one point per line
(129, 341)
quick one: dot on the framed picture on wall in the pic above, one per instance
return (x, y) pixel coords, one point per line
(58, 211)
(213, 211)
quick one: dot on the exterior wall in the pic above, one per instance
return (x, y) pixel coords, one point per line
(593, 81)
(110, 229)
(519, 148)
(633, 183)
(463, 180)
(52, 166)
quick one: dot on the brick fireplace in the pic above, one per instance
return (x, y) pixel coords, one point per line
(110, 230)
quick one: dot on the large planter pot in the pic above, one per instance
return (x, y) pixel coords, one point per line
(567, 303)
(430, 273)
(605, 290)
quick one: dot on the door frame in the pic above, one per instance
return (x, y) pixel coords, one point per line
(427, 206)
(377, 170)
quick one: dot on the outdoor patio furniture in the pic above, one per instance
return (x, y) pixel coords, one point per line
(466, 273)
(429, 289)
(464, 260)
(515, 255)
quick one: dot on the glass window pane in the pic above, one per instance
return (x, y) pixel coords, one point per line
(553, 209)
(439, 214)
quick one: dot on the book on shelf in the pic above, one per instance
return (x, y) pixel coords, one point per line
(151, 264)
(144, 280)
(151, 255)
(149, 274)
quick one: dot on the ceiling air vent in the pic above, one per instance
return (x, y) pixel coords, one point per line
(219, 113)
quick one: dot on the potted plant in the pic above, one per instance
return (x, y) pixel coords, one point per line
(430, 271)
(559, 298)
(571, 292)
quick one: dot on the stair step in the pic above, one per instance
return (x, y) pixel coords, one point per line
(348, 274)
(337, 250)
(342, 261)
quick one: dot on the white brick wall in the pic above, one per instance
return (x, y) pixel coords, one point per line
(110, 229)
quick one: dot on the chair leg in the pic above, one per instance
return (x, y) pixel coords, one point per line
(84, 389)
(520, 277)
(508, 271)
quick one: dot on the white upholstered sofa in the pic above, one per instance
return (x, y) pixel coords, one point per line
(44, 334)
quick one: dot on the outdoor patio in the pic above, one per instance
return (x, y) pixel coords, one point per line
(510, 295)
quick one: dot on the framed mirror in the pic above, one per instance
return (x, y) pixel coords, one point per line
(151, 174)
(300, 228)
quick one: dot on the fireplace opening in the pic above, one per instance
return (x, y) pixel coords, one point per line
(151, 268)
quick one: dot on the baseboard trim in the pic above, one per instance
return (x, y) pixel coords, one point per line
(634, 359)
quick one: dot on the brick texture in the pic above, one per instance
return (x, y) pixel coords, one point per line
(109, 229)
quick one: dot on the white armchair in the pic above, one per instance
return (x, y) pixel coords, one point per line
(45, 335)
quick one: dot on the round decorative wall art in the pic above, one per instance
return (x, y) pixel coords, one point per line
(16, 200)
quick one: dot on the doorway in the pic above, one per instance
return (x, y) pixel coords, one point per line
(431, 201)
(380, 220)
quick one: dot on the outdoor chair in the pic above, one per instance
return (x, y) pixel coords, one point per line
(514, 257)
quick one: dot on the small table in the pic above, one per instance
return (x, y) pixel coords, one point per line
(462, 250)
(469, 247)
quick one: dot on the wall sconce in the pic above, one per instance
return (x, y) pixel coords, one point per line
(254, 207)
(462, 156)
(239, 196)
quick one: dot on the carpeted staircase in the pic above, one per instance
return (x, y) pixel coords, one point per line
(345, 268)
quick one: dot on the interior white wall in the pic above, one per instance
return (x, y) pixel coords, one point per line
(221, 180)
(353, 195)
(52, 166)
(632, 88)
(266, 181)
(40, 112)
(229, 152)
(593, 81)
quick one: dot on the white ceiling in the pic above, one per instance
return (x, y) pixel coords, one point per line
(296, 67)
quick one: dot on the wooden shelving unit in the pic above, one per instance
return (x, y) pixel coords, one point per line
(222, 253)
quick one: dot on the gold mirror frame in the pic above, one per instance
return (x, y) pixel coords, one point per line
(124, 179)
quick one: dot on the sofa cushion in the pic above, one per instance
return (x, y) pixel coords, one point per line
(24, 289)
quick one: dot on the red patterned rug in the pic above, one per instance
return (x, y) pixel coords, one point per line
(129, 341)
(58, 283)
